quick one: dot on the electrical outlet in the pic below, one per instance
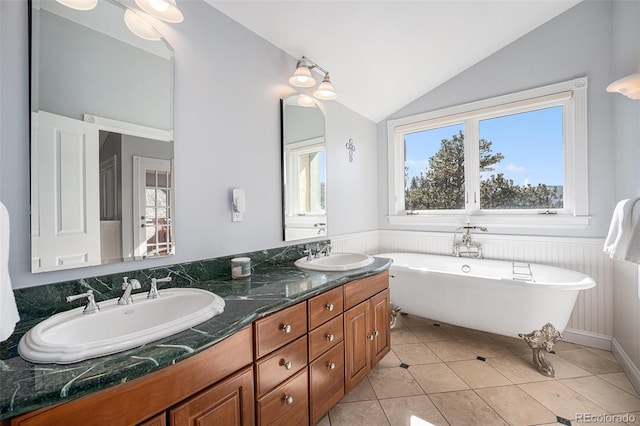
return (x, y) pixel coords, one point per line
(236, 217)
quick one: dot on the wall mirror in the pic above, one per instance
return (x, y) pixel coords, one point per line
(303, 169)
(101, 138)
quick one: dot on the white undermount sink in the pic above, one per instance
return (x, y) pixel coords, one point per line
(335, 262)
(72, 336)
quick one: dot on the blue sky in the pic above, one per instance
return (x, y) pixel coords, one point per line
(530, 142)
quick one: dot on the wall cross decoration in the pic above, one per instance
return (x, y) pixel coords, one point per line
(351, 147)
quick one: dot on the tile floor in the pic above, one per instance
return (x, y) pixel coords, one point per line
(445, 384)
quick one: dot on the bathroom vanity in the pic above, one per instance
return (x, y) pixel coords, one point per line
(289, 363)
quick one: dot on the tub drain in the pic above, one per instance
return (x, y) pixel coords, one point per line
(466, 269)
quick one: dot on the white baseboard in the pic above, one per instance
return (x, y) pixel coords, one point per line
(587, 338)
(627, 365)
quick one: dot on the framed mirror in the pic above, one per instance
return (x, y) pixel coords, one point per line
(304, 168)
(101, 138)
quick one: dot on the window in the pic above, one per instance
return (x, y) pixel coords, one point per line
(517, 160)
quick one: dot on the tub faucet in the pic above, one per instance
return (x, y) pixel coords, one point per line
(128, 286)
(469, 247)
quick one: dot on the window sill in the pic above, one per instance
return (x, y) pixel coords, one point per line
(536, 221)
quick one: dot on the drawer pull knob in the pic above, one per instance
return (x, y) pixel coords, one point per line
(329, 307)
(286, 328)
(286, 364)
(288, 399)
(371, 337)
(330, 337)
(376, 332)
(331, 366)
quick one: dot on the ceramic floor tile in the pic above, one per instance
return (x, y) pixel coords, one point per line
(613, 399)
(415, 353)
(431, 334)
(437, 378)
(517, 369)
(563, 368)
(361, 392)
(485, 347)
(605, 354)
(400, 336)
(364, 413)
(516, 406)
(389, 360)
(416, 321)
(451, 350)
(465, 408)
(560, 400)
(412, 411)
(566, 346)
(324, 421)
(478, 374)
(621, 381)
(393, 383)
(514, 345)
(593, 363)
(462, 333)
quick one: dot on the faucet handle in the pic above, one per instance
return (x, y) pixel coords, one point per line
(91, 306)
(153, 291)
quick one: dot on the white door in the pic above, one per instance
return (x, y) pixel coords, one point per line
(66, 227)
(152, 207)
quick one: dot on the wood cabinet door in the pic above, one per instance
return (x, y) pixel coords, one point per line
(357, 330)
(380, 317)
(229, 403)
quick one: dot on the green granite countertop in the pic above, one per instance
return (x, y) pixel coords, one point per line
(25, 386)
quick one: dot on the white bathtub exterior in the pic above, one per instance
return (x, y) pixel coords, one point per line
(486, 297)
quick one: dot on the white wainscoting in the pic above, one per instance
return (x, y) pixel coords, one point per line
(592, 318)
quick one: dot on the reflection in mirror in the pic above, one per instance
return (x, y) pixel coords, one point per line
(101, 139)
(303, 169)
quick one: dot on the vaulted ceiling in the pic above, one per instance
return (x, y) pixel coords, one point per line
(383, 54)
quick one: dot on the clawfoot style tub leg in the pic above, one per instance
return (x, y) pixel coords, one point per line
(539, 340)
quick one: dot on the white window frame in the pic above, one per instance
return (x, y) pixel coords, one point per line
(572, 95)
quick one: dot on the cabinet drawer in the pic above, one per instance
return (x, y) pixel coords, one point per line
(325, 336)
(287, 404)
(280, 365)
(325, 306)
(360, 290)
(326, 381)
(278, 329)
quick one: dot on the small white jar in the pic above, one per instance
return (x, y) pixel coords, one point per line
(240, 267)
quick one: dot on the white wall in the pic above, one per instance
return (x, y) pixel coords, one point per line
(574, 44)
(228, 82)
(626, 123)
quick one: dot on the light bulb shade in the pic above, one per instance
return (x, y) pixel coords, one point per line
(139, 26)
(79, 4)
(306, 101)
(325, 91)
(302, 77)
(628, 86)
(165, 10)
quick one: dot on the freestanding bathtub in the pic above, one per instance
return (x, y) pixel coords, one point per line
(496, 296)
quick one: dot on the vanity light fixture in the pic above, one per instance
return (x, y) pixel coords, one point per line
(628, 86)
(79, 4)
(302, 77)
(165, 10)
(139, 26)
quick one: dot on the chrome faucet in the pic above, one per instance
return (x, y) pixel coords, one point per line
(470, 247)
(153, 291)
(128, 286)
(91, 307)
(326, 249)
